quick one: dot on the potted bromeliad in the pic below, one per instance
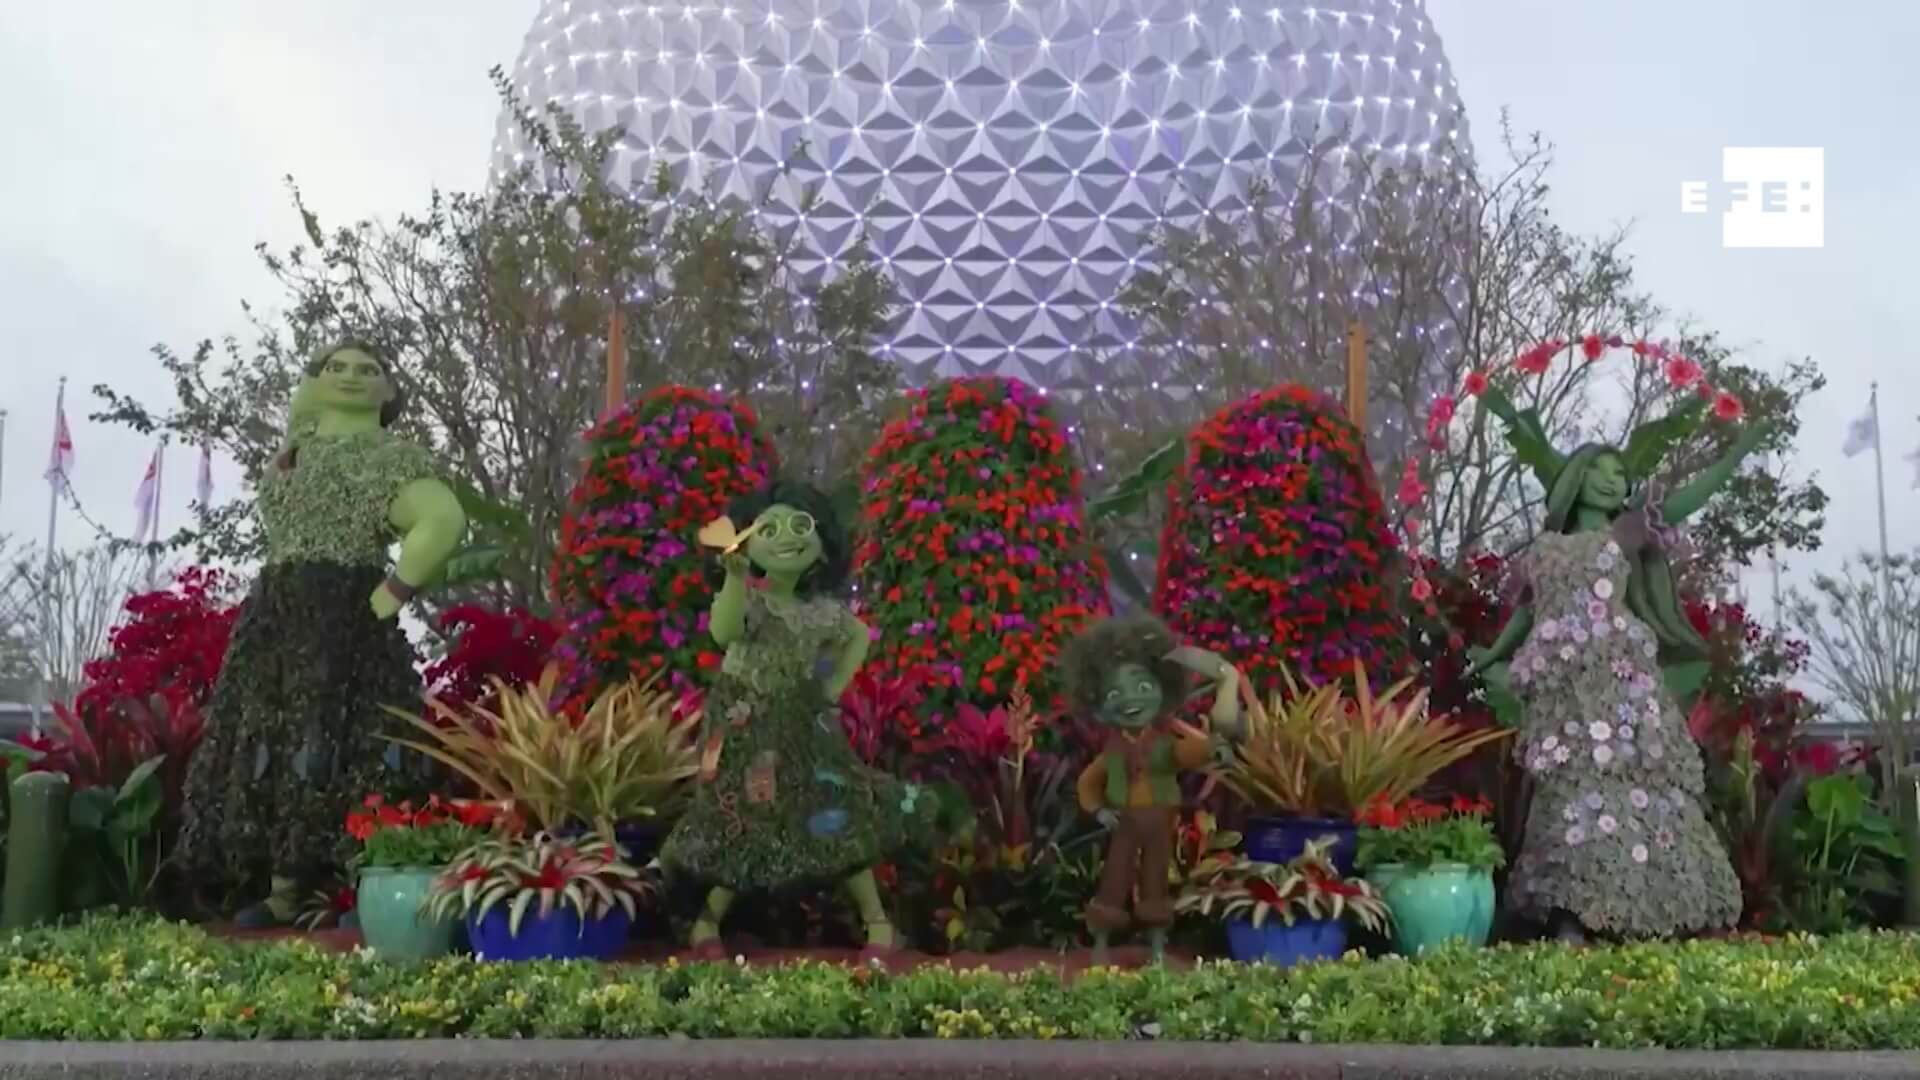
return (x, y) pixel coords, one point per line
(402, 852)
(1284, 913)
(621, 768)
(543, 898)
(1314, 756)
(578, 784)
(1434, 864)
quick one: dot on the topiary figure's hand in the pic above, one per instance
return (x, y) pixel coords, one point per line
(735, 564)
(385, 605)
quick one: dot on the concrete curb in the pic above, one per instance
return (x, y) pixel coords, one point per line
(680, 1059)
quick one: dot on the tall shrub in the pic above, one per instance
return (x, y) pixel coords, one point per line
(631, 578)
(1276, 551)
(973, 563)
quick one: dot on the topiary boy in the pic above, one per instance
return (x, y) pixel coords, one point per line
(1128, 676)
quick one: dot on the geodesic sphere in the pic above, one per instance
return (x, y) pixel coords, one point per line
(1005, 159)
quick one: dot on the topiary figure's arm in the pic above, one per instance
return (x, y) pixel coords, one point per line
(431, 523)
(727, 615)
(852, 655)
(1688, 500)
(1512, 636)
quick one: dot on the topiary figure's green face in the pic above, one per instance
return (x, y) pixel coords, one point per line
(352, 382)
(1605, 487)
(1130, 698)
(787, 544)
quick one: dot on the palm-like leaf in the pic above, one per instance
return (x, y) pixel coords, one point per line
(1316, 751)
(628, 757)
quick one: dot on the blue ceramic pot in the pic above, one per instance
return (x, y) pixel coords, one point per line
(1274, 942)
(557, 935)
(1278, 839)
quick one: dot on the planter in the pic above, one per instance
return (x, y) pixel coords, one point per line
(1437, 904)
(1279, 839)
(557, 935)
(1274, 942)
(640, 839)
(1384, 875)
(387, 901)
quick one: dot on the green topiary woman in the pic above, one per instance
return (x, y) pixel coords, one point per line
(292, 737)
(1618, 840)
(783, 800)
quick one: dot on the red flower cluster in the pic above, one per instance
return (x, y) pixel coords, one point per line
(630, 574)
(512, 646)
(973, 562)
(376, 814)
(1277, 544)
(143, 699)
(1381, 814)
(171, 644)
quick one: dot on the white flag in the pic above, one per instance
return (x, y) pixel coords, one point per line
(1862, 434)
(146, 502)
(203, 488)
(1913, 459)
(60, 462)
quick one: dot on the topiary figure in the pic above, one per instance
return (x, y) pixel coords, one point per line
(973, 562)
(630, 579)
(1277, 552)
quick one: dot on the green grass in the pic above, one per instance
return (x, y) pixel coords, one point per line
(126, 978)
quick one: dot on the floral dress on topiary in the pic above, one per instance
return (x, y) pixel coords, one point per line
(1617, 835)
(790, 802)
(293, 726)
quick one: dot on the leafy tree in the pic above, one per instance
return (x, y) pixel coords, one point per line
(497, 307)
(1457, 273)
(1863, 627)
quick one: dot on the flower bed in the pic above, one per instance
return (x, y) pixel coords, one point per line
(120, 979)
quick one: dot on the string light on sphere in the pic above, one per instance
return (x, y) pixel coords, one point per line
(1035, 293)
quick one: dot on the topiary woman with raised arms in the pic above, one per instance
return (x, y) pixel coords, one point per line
(1601, 659)
(292, 729)
(783, 800)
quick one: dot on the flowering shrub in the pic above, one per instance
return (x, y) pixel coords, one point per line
(433, 835)
(512, 646)
(143, 699)
(973, 562)
(1276, 552)
(629, 575)
(1416, 833)
(171, 644)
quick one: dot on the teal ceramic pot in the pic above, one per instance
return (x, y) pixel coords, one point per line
(1483, 911)
(1440, 903)
(1385, 874)
(389, 899)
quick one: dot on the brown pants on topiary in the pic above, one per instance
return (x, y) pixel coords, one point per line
(1138, 858)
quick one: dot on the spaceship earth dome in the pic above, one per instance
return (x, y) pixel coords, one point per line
(1006, 161)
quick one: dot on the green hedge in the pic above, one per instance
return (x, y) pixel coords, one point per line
(121, 979)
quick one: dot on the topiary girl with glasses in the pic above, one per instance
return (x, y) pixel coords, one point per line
(783, 799)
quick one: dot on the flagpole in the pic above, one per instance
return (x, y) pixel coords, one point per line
(1880, 483)
(54, 481)
(153, 530)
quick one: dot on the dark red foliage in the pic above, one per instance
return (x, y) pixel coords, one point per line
(143, 699)
(513, 646)
(171, 644)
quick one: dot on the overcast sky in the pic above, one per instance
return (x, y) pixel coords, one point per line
(145, 151)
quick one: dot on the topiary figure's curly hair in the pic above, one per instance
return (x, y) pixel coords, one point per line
(1136, 639)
